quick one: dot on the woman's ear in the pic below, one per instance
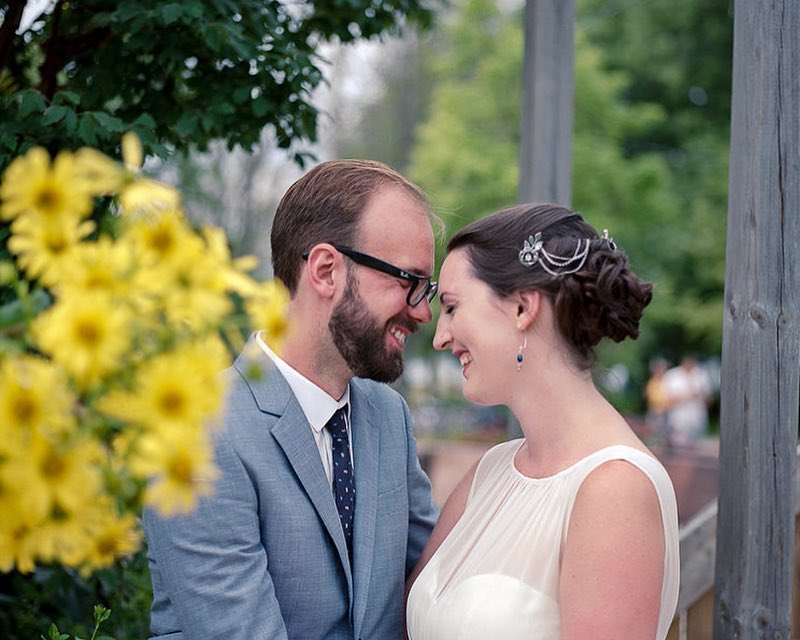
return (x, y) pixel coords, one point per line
(323, 267)
(527, 309)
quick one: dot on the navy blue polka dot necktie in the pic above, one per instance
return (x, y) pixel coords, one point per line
(344, 486)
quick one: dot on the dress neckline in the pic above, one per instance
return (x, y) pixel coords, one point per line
(571, 467)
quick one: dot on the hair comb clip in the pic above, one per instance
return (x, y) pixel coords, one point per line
(529, 254)
(533, 252)
(609, 240)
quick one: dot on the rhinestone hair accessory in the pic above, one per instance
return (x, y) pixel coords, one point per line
(533, 252)
(609, 240)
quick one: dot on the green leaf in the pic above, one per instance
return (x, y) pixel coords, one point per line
(87, 126)
(101, 614)
(145, 120)
(30, 101)
(241, 95)
(170, 13)
(108, 122)
(54, 114)
(67, 97)
(261, 107)
(70, 122)
(15, 312)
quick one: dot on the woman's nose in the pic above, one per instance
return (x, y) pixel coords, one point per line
(442, 337)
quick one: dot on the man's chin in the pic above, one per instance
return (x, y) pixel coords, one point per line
(384, 374)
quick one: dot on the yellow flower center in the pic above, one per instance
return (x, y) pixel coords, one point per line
(56, 244)
(47, 200)
(172, 403)
(88, 333)
(107, 545)
(180, 470)
(53, 467)
(20, 532)
(162, 241)
(23, 408)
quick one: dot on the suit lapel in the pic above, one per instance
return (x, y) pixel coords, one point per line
(293, 434)
(366, 447)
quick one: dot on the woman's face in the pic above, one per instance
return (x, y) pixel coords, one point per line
(479, 328)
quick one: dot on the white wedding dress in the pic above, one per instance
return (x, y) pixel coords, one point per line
(496, 575)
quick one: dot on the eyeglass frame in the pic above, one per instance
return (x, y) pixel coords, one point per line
(429, 288)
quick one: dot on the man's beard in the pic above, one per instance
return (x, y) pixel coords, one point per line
(361, 339)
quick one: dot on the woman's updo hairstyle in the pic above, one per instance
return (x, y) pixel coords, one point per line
(603, 298)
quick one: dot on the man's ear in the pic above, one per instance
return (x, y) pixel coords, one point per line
(325, 269)
(527, 308)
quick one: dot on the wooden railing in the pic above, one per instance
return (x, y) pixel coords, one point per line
(694, 619)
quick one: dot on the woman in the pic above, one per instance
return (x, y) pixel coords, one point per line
(570, 531)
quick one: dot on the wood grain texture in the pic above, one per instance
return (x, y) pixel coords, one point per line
(761, 341)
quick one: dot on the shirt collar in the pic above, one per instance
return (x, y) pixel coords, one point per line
(317, 405)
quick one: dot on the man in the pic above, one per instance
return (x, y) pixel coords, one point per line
(276, 552)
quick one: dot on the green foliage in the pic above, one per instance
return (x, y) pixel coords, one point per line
(61, 597)
(101, 614)
(648, 164)
(178, 73)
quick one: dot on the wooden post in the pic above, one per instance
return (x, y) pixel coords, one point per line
(547, 102)
(761, 339)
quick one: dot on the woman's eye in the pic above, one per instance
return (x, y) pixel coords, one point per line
(449, 310)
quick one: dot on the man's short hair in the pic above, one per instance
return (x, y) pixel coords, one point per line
(326, 205)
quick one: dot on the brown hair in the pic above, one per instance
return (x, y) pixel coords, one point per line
(603, 298)
(326, 205)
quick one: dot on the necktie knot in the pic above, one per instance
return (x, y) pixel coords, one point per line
(344, 487)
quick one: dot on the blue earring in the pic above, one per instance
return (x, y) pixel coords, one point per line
(521, 348)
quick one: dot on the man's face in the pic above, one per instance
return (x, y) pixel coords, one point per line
(360, 337)
(371, 322)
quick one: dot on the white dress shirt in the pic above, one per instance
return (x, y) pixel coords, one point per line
(317, 405)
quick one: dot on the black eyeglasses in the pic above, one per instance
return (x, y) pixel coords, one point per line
(422, 287)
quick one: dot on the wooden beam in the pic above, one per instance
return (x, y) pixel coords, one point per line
(761, 339)
(547, 102)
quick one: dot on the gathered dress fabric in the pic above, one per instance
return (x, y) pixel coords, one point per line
(496, 575)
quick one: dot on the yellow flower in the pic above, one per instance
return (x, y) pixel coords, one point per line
(60, 476)
(107, 267)
(44, 244)
(100, 174)
(160, 237)
(236, 278)
(32, 185)
(64, 536)
(18, 548)
(192, 283)
(87, 335)
(110, 537)
(267, 311)
(132, 154)
(196, 292)
(144, 195)
(33, 397)
(179, 466)
(174, 390)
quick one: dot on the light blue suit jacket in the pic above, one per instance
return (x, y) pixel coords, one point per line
(265, 556)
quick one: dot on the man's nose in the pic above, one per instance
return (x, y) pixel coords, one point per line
(422, 312)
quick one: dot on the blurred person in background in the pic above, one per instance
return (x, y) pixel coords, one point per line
(688, 392)
(657, 400)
